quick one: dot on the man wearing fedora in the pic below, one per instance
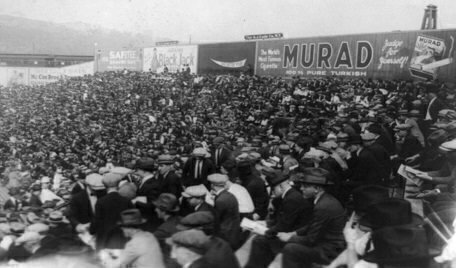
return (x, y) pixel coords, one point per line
(321, 240)
(143, 249)
(197, 168)
(291, 211)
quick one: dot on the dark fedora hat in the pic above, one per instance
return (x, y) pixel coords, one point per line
(390, 212)
(275, 177)
(131, 218)
(318, 176)
(398, 245)
(366, 195)
(167, 202)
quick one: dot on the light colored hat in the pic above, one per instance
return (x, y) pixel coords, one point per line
(217, 179)
(95, 181)
(195, 191)
(200, 152)
(111, 179)
(121, 170)
(29, 237)
(39, 228)
(368, 136)
(103, 170)
(449, 146)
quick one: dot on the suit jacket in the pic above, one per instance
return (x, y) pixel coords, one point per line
(188, 177)
(107, 215)
(257, 190)
(80, 209)
(151, 189)
(220, 254)
(410, 146)
(291, 212)
(434, 108)
(77, 188)
(9, 205)
(227, 218)
(324, 232)
(365, 169)
(170, 184)
(225, 154)
(382, 157)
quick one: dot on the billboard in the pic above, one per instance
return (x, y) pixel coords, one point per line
(396, 55)
(226, 57)
(10, 76)
(115, 60)
(174, 57)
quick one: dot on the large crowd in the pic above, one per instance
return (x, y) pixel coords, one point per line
(137, 169)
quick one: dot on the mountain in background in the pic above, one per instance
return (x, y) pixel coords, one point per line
(25, 36)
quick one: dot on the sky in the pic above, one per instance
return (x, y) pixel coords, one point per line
(231, 20)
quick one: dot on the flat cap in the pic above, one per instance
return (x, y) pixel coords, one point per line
(195, 191)
(217, 179)
(95, 181)
(196, 220)
(368, 136)
(165, 159)
(146, 163)
(194, 240)
(111, 179)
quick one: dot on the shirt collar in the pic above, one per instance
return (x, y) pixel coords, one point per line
(318, 197)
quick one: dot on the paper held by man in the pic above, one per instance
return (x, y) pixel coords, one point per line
(257, 227)
(413, 175)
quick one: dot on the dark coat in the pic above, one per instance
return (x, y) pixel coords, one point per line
(77, 188)
(80, 209)
(434, 108)
(227, 218)
(324, 232)
(188, 177)
(257, 190)
(365, 169)
(107, 215)
(411, 146)
(291, 212)
(224, 155)
(220, 254)
(170, 184)
(167, 228)
(382, 157)
(9, 205)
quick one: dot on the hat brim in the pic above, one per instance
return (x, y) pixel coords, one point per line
(121, 224)
(373, 258)
(157, 205)
(416, 220)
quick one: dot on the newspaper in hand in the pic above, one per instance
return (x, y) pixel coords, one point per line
(254, 226)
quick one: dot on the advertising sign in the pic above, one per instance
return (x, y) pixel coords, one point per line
(115, 60)
(263, 36)
(226, 57)
(173, 57)
(397, 55)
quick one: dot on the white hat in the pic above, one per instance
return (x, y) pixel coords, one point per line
(29, 237)
(448, 146)
(95, 181)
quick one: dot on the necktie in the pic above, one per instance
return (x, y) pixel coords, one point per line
(197, 169)
(217, 157)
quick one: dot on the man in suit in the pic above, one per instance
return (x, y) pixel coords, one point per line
(197, 168)
(170, 182)
(256, 188)
(322, 239)
(226, 207)
(380, 154)
(82, 204)
(363, 165)
(149, 188)
(108, 209)
(434, 106)
(291, 211)
(221, 152)
(301, 147)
